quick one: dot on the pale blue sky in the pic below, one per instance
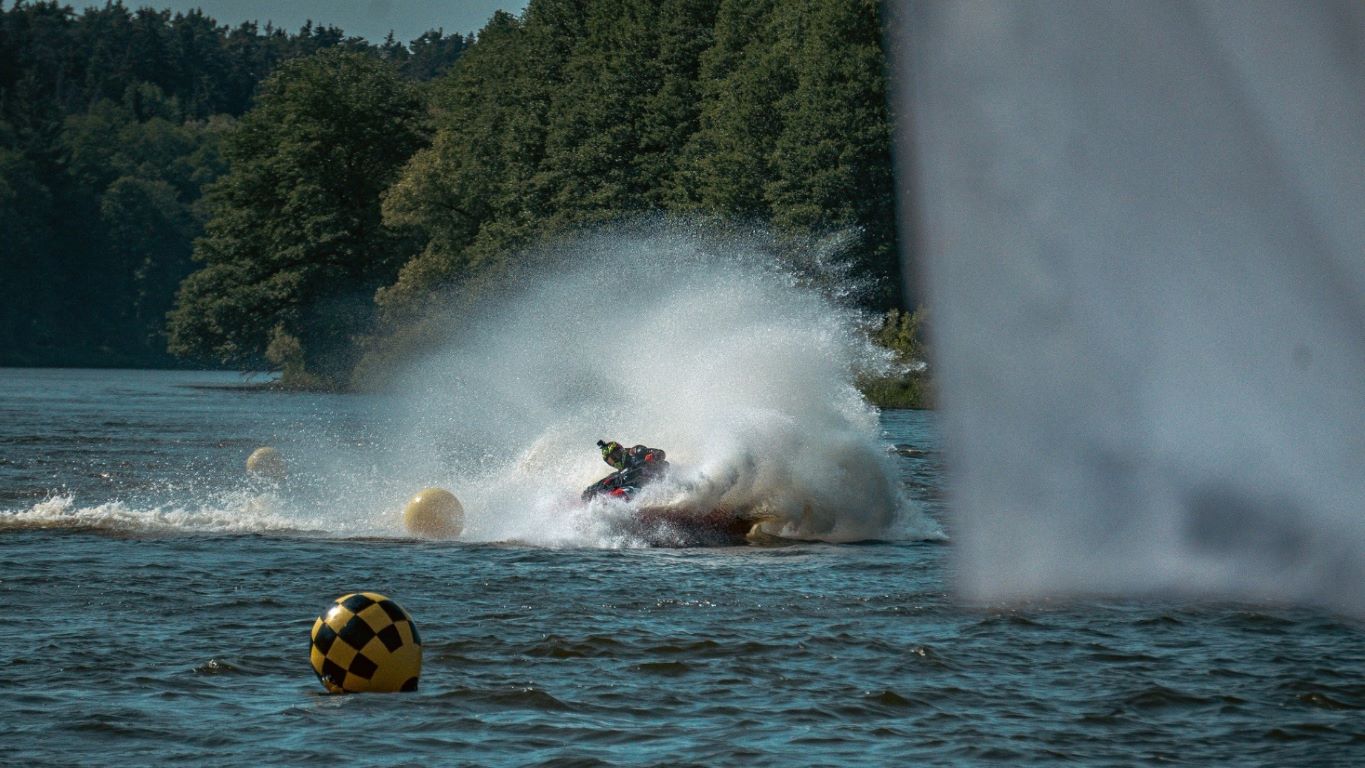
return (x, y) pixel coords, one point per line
(371, 19)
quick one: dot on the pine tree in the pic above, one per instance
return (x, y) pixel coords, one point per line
(831, 163)
(743, 77)
(445, 191)
(671, 114)
(476, 192)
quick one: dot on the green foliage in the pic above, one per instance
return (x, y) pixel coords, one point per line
(295, 246)
(330, 204)
(430, 55)
(831, 164)
(285, 352)
(625, 110)
(584, 111)
(111, 125)
(904, 334)
(671, 111)
(480, 189)
(148, 229)
(905, 392)
(742, 78)
(26, 219)
(101, 237)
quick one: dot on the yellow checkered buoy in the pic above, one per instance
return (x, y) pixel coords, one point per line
(366, 642)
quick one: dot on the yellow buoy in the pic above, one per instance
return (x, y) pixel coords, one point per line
(434, 513)
(266, 462)
(366, 642)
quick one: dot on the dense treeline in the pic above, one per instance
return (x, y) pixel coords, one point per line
(330, 213)
(112, 126)
(582, 111)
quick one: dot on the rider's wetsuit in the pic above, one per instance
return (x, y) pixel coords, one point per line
(634, 466)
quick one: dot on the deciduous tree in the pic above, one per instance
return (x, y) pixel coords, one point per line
(295, 240)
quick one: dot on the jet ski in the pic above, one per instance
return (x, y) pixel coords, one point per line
(670, 525)
(625, 484)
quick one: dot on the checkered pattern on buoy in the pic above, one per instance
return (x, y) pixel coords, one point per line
(366, 642)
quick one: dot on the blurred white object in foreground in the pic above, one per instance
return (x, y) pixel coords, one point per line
(1142, 230)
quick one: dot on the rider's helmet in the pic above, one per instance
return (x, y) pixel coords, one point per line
(612, 452)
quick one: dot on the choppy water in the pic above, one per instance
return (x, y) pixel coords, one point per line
(158, 613)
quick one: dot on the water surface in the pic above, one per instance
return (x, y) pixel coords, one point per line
(156, 617)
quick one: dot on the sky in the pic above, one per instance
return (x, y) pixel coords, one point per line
(371, 19)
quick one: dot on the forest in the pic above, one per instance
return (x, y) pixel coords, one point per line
(174, 191)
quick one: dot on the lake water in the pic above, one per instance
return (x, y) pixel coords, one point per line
(158, 607)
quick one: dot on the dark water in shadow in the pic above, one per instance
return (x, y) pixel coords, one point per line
(164, 645)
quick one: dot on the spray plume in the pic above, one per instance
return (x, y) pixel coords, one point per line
(708, 346)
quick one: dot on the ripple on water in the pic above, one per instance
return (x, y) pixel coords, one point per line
(1160, 697)
(664, 668)
(174, 649)
(216, 667)
(890, 702)
(555, 647)
(1323, 701)
(1324, 695)
(524, 697)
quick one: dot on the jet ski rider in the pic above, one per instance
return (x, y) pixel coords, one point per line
(634, 467)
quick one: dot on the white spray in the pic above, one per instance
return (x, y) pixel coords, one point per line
(704, 346)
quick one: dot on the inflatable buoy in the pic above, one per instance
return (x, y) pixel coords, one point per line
(266, 462)
(366, 642)
(434, 513)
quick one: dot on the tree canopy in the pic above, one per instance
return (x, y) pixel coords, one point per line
(294, 247)
(111, 126)
(327, 189)
(583, 111)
